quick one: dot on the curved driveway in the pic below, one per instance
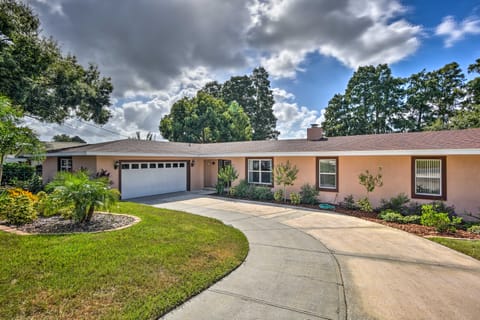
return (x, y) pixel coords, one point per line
(316, 265)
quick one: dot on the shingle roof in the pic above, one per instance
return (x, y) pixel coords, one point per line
(457, 141)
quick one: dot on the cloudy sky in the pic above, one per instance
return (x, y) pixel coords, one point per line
(159, 51)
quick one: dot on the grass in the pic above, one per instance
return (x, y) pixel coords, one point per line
(140, 272)
(468, 247)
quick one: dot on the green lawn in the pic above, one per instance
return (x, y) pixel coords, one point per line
(137, 273)
(469, 247)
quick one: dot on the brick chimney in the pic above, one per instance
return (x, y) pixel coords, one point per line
(314, 133)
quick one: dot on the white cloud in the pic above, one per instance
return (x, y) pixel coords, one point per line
(454, 32)
(355, 32)
(293, 120)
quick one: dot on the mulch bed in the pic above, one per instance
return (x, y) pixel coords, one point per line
(57, 224)
(422, 231)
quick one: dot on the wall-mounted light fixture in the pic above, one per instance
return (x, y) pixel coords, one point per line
(192, 164)
(116, 164)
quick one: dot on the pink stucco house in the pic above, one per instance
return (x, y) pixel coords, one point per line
(442, 165)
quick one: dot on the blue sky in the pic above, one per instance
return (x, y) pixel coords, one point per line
(159, 51)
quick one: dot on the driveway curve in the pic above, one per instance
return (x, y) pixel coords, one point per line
(307, 264)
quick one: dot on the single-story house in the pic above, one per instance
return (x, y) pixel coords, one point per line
(437, 165)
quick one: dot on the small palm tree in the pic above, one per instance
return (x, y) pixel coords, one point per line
(83, 193)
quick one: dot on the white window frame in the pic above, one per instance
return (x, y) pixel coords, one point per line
(430, 175)
(320, 173)
(66, 164)
(260, 171)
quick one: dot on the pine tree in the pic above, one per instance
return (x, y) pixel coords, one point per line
(262, 118)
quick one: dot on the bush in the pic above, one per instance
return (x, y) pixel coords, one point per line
(391, 216)
(17, 206)
(440, 220)
(397, 204)
(295, 198)
(34, 184)
(278, 195)
(309, 194)
(412, 219)
(17, 171)
(242, 189)
(474, 229)
(365, 205)
(262, 193)
(51, 204)
(348, 203)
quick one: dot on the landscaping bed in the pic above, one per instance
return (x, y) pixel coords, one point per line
(58, 224)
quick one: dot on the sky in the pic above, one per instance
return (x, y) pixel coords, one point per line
(157, 52)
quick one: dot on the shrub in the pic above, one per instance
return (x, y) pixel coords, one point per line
(391, 216)
(295, 198)
(365, 205)
(278, 195)
(349, 203)
(82, 193)
(226, 175)
(440, 220)
(285, 175)
(474, 229)
(242, 189)
(34, 184)
(17, 206)
(262, 193)
(397, 204)
(17, 171)
(309, 194)
(51, 204)
(412, 219)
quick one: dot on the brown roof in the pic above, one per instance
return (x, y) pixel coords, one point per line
(463, 141)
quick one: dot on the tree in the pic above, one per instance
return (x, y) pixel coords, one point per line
(205, 119)
(262, 118)
(469, 115)
(285, 175)
(67, 138)
(254, 95)
(372, 103)
(83, 193)
(420, 92)
(14, 138)
(36, 76)
(370, 182)
(226, 176)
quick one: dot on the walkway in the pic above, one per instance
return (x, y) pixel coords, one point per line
(314, 265)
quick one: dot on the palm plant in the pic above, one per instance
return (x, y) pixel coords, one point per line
(83, 193)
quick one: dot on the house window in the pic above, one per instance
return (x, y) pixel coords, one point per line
(260, 171)
(428, 178)
(65, 164)
(327, 169)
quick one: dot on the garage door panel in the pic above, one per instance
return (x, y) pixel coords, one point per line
(146, 181)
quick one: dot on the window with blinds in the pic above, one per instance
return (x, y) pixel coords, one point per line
(428, 177)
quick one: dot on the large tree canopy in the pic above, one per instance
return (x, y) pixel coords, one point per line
(15, 138)
(376, 102)
(36, 76)
(67, 138)
(254, 95)
(205, 119)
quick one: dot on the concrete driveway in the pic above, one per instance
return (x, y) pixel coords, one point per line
(317, 265)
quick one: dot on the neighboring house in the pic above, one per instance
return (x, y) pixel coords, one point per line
(438, 165)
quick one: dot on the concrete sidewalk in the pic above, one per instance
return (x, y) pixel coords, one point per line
(313, 265)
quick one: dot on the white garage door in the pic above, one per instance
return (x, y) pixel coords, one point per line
(141, 179)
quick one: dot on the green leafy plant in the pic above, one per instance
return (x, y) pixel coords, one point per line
(262, 193)
(440, 220)
(17, 206)
(474, 229)
(349, 203)
(309, 194)
(415, 219)
(226, 176)
(391, 216)
(83, 193)
(295, 198)
(278, 195)
(365, 205)
(285, 175)
(397, 204)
